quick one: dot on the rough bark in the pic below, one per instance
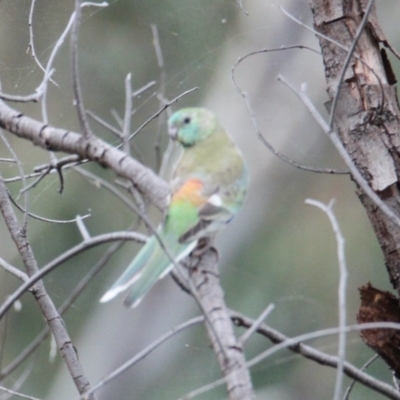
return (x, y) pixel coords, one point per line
(367, 115)
(367, 121)
(378, 306)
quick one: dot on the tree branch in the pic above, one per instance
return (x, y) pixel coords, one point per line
(49, 311)
(205, 276)
(94, 149)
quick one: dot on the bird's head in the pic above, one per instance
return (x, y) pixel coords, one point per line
(189, 126)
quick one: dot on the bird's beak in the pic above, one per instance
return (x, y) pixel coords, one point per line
(173, 132)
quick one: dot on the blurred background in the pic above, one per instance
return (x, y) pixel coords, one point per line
(278, 250)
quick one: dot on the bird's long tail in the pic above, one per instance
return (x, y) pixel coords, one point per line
(158, 266)
(133, 272)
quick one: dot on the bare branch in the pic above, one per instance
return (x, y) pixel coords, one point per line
(93, 149)
(347, 62)
(63, 308)
(318, 356)
(341, 291)
(163, 108)
(128, 115)
(13, 270)
(342, 151)
(105, 124)
(10, 160)
(295, 345)
(82, 229)
(240, 4)
(76, 85)
(31, 45)
(339, 45)
(108, 186)
(161, 94)
(363, 368)
(205, 277)
(142, 354)
(253, 328)
(53, 319)
(254, 119)
(94, 241)
(24, 396)
(21, 171)
(43, 219)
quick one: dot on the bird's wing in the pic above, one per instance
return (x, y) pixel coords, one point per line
(213, 215)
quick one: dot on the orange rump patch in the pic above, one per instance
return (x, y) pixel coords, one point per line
(190, 192)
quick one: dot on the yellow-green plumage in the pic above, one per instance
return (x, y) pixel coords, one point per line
(208, 187)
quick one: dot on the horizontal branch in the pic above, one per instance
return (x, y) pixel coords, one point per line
(93, 148)
(318, 356)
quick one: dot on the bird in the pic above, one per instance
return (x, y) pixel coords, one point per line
(208, 187)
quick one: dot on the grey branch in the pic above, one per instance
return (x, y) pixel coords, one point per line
(49, 311)
(318, 356)
(232, 362)
(94, 149)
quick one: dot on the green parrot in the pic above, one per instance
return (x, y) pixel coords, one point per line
(208, 188)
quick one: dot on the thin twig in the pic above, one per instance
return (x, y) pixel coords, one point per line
(58, 45)
(142, 354)
(161, 95)
(13, 270)
(141, 90)
(296, 341)
(339, 45)
(94, 241)
(128, 115)
(240, 4)
(49, 220)
(341, 291)
(24, 396)
(108, 186)
(318, 356)
(18, 178)
(105, 124)
(22, 174)
(363, 368)
(260, 320)
(146, 181)
(252, 115)
(342, 151)
(23, 355)
(84, 123)
(163, 108)
(48, 309)
(346, 63)
(42, 88)
(82, 229)
(31, 45)
(117, 118)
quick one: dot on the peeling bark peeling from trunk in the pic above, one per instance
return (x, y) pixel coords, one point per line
(378, 306)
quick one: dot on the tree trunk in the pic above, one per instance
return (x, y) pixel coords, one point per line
(366, 119)
(367, 114)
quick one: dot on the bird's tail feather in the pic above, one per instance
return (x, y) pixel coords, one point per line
(133, 272)
(158, 267)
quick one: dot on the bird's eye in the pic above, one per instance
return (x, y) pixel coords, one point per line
(186, 120)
